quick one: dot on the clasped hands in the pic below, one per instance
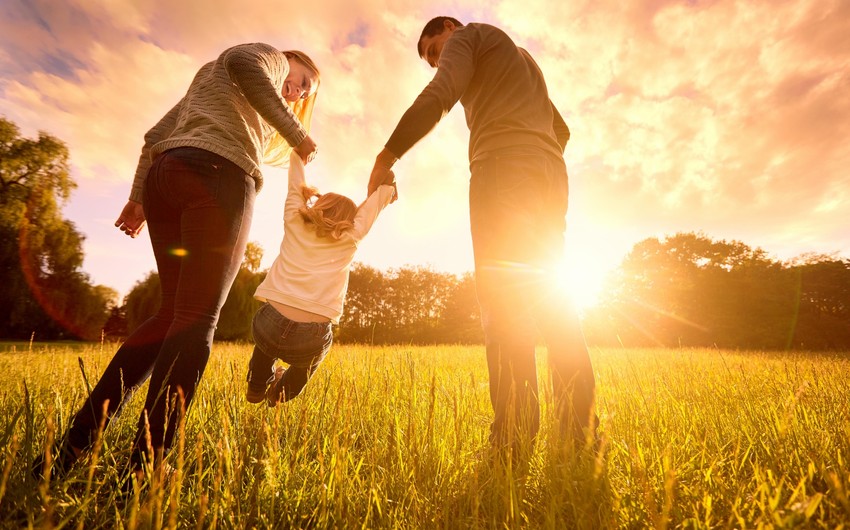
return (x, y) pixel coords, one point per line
(383, 174)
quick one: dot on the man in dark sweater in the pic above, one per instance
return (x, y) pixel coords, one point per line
(518, 203)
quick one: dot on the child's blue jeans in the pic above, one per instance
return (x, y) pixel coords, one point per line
(301, 345)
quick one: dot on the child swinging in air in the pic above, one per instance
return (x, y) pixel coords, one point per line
(305, 288)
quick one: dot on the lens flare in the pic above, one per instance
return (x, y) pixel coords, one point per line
(57, 305)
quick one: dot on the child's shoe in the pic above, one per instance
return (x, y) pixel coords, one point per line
(256, 392)
(274, 394)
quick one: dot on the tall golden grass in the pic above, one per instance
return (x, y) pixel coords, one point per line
(394, 437)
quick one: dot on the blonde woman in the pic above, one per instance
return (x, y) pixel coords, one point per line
(305, 287)
(195, 184)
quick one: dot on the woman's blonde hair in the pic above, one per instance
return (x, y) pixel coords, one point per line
(332, 214)
(278, 149)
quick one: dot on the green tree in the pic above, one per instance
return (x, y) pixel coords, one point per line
(142, 302)
(253, 257)
(116, 325)
(409, 305)
(237, 314)
(363, 315)
(44, 290)
(416, 298)
(460, 321)
(822, 284)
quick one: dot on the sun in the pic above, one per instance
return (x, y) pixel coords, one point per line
(582, 281)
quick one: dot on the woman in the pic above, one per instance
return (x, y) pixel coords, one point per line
(195, 186)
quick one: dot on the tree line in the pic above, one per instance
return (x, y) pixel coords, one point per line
(686, 290)
(406, 305)
(683, 290)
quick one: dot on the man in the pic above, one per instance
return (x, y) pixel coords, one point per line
(518, 203)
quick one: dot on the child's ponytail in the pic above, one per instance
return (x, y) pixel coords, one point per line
(308, 192)
(332, 214)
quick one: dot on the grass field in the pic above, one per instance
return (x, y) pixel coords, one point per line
(393, 437)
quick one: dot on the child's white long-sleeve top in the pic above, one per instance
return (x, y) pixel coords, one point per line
(311, 272)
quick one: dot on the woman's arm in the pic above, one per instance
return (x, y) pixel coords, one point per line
(254, 68)
(159, 132)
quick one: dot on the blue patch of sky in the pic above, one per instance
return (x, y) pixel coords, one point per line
(23, 12)
(62, 65)
(150, 39)
(60, 62)
(358, 35)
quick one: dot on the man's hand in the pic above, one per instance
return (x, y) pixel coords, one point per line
(382, 172)
(132, 219)
(380, 175)
(307, 149)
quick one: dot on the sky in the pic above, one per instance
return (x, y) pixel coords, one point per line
(729, 118)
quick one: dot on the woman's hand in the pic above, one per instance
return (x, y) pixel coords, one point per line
(307, 149)
(132, 219)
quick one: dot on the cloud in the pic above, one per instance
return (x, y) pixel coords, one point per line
(722, 116)
(717, 110)
(103, 111)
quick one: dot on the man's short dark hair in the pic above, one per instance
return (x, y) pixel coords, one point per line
(434, 27)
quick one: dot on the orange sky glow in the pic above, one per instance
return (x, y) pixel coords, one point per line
(726, 117)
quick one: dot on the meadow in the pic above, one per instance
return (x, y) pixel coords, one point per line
(394, 437)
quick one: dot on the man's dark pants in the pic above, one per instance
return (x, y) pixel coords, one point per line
(518, 206)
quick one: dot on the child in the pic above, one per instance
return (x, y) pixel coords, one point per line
(305, 288)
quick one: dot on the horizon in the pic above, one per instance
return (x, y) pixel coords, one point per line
(741, 136)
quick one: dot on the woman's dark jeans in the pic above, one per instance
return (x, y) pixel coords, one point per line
(198, 207)
(518, 206)
(302, 345)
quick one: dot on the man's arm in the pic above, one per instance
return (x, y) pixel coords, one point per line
(436, 100)
(562, 132)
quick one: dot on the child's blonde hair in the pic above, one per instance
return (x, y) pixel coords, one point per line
(332, 214)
